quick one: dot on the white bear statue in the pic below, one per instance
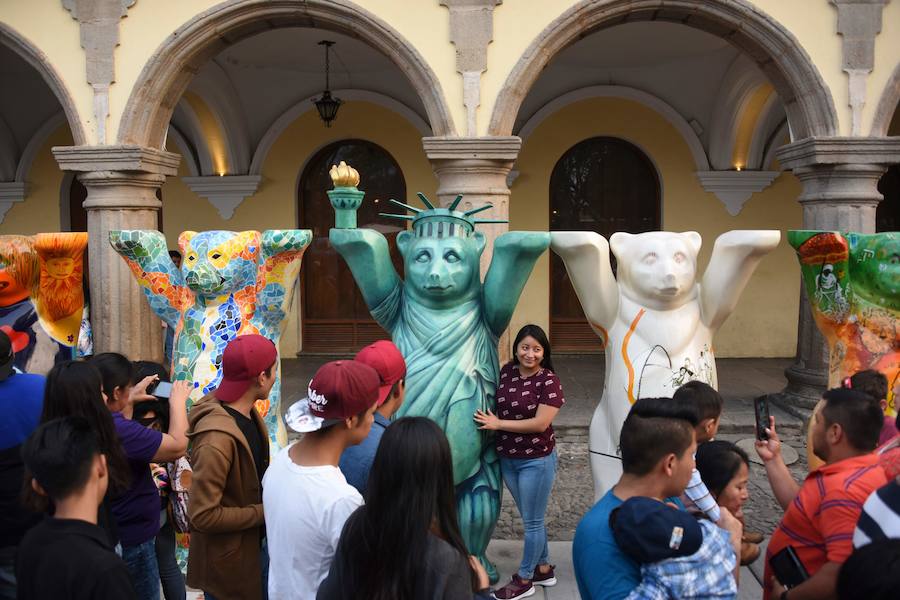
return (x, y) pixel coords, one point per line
(656, 320)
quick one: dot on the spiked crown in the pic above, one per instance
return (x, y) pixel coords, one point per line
(442, 222)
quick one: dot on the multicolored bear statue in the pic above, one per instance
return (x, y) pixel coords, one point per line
(852, 281)
(229, 284)
(447, 325)
(42, 305)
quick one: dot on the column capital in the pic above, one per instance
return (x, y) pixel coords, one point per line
(493, 148)
(124, 158)
(839, 150)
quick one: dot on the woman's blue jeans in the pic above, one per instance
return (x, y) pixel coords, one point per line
(530, 481)
(143, 568)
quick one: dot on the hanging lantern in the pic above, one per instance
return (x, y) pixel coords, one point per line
(327, 105)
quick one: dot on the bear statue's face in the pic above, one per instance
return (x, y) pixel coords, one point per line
(441, 272)
(657, 269)
(875, 268)
(219, 262)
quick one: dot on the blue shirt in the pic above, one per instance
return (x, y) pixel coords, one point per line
(21, 403)
(356, 461)
(602, 570)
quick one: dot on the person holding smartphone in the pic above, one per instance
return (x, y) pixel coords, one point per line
(821, 514)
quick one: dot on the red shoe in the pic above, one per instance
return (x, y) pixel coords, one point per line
(547, 579)
(515, 589)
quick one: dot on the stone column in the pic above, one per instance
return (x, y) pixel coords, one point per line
(477, 168)
(840, 193)
(121, 182)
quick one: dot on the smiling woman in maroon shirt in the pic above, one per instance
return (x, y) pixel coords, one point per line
(528, 398)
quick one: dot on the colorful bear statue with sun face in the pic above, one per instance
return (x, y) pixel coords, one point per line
(229, 284)
(42, 304)
(447, 323)
(655, 320)
(852, 282)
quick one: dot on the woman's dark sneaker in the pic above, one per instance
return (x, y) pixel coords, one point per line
(547, 579)
(515, 589)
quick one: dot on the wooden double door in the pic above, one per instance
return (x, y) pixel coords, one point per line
(335, 319)
(601, 184)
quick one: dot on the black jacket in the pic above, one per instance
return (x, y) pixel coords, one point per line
(67, 559)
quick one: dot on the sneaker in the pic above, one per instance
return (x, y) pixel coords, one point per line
(547, 579)
(515, 589)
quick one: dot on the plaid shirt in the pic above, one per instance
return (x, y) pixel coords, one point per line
(708, 573)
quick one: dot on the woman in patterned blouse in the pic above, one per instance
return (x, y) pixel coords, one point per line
(528, 398)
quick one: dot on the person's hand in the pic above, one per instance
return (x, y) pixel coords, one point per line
(487, 420)
(769, 449)
(181, 391)
(139, 391)
(483, 581)
(733, 526)
(775, 588)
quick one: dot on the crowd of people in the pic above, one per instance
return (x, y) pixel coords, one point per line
(101, 465)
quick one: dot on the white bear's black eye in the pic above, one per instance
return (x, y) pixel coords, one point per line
(650, 258)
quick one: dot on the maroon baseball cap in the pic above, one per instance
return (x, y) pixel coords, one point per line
(245, 357)
(340, 389)
(385, 358)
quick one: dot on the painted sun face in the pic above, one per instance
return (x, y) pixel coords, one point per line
(60, 268)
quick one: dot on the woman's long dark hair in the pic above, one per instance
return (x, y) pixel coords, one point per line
(718, 462)
(116, 370)
(540, 337)
(74, 388)
(409, 496)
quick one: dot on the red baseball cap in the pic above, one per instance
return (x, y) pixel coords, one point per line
(245, 357)
(340, 389)
(385, 358)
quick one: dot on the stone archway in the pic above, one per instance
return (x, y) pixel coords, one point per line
(34, 57)
(173, 65)
(887, 105)
(807, 99)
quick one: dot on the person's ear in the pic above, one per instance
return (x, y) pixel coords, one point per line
(668, 464)
(101, 466)
(37, 487)
(835, 434)
(351, 422)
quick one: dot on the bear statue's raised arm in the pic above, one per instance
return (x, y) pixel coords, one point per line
(734, 258)
(514, 256)
(367, 254)
(279, 263)
(147, 255)
(586, 256)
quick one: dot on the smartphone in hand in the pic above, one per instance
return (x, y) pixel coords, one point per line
(787, 568)
(761, 409)
(163, 390)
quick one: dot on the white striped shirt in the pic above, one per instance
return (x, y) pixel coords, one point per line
(880, 517)
(699, 495)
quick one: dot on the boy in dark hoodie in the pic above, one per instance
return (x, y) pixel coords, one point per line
(229, 454)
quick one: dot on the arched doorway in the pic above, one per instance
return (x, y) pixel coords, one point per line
(334, 316)
(887, 215)
(601, 184)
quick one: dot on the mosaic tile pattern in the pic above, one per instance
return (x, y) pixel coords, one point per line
(230, 283)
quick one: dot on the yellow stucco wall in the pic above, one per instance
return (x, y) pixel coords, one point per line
(769, 305)
(425, 25)
(40, 210)
(275, 203)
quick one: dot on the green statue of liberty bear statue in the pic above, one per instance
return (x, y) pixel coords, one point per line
(447, 324)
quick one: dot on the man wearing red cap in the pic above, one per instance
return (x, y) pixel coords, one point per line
(306, 497)
(229, 454)
(385, 358)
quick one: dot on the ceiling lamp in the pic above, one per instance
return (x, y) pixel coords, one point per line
(327, 105)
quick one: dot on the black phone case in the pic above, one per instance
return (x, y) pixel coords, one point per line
(788, 569)
(761, 410)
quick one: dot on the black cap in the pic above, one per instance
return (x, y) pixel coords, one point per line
(7, 356)
(649, 531)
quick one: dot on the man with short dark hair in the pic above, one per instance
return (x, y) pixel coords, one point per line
(657, 447)
(68, 555)
(820, 515)
(21, 401)
(229, 455)
(306, 496)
